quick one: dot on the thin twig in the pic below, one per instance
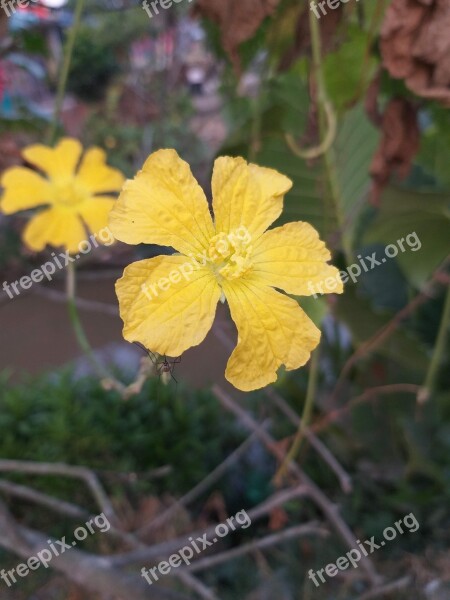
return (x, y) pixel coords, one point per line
(59, 506)
(64, 508)
(266, 542)
(199, 489)
(196, 585)
(389, 588)
(367, 395)
(327, 456)
(83, 473)
(387, 330)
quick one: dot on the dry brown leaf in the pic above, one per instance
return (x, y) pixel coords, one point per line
(415, 46)
(278, 519)
(399, 144)
(238, 20)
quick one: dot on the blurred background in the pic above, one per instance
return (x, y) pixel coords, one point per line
(351, 101)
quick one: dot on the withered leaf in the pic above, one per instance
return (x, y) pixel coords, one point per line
(399, 144)
(415, 46)
(238, 20)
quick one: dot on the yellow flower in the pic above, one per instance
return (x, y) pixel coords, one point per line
(168, 303)
(75, 198)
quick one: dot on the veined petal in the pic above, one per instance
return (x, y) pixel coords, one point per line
(167, 303)
(272, 330)
(163, 205)
(95, 213)
(58, 163)
(96, 175)
(245, 195)
(55, 227)
(294, 259)
(23, 189)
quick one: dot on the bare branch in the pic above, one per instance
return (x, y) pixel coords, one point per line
(266, 542)
(83, 473)
(195, 584)
(389, 588)
(92, 572)
(10, 528)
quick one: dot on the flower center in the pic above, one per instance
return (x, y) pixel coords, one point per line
(230, 255)
(69, 193)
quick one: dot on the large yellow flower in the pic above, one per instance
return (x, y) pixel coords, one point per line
(168, 303)
(75, 198)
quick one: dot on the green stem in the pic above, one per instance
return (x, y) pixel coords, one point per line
(306, 415)
(439, 349)
(76, 323)
(323, 103)
(64, 75)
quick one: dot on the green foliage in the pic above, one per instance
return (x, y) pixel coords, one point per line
(404, 212)
(92, 67)
(57, 419)
(348, 70)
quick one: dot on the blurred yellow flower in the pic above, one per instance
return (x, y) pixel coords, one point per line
(75, 198)
(232, 257)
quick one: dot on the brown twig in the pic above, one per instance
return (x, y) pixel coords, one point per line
(195, 584)
(389, 588)
(64, 508)
(387, 330)
(83, 473)
(321, 449)
(367, 395)
(265, 542)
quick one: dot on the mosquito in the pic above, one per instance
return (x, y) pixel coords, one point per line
(161, 366)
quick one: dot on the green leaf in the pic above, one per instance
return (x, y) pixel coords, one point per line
(346, 71)
(363, 321)
(422, 221)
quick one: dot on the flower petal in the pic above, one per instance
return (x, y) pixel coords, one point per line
(163, 205)
(95, 212)
(23, 189)
(58, 163)
(176, 308)
(245, 195)
(293, 258)
(55, 227)
(272, 330)
(96, 175)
